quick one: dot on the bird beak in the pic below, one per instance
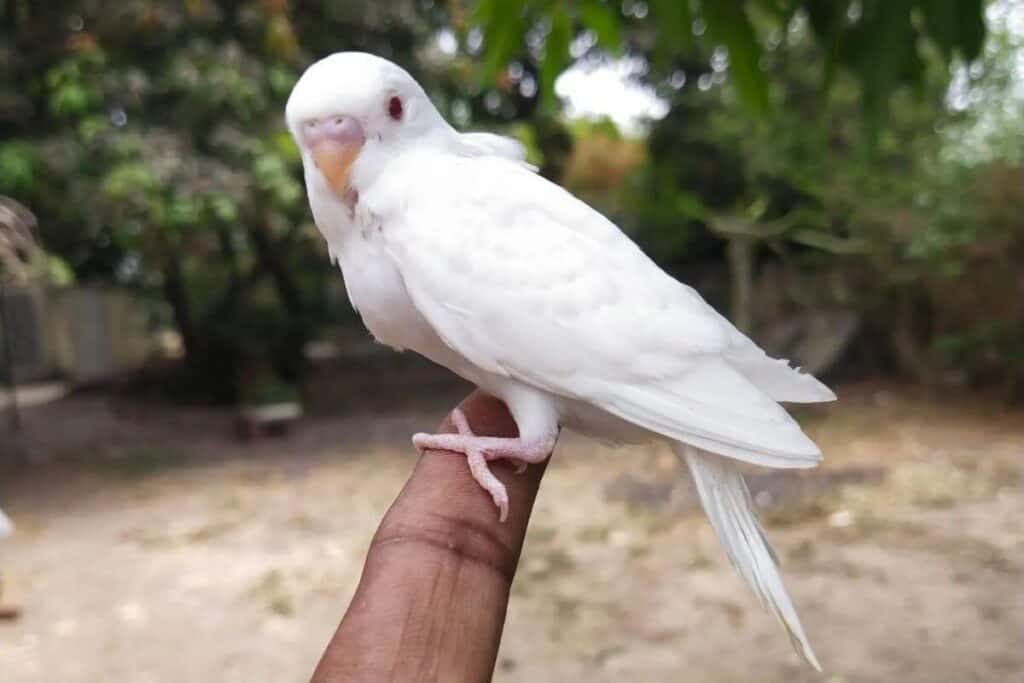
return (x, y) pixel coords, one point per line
(334, 144)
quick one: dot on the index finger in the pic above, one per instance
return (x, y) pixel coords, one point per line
(435, 587)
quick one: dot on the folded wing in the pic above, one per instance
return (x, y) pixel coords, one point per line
(524, 280)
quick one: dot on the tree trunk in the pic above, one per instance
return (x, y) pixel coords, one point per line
(177, 296)
(555, 143)
(273, 260)
(740, 251)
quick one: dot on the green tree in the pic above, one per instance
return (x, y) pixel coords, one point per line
(805, 133)
(148, 136)
(882, 43)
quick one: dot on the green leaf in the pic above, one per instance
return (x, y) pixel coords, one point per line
(729, 24)
(483, 12)
(942, 22)
(955, 25)
(281, 80)
(883, 53)
(971, 20)
(502, 24)
(59, 272)
(283, 145)
(556, 53)
(826, 19)
(604, 22)
(224, 208)
(689, 205)
(128, 179)
(183, 211)
(69, 99)
(17, 162)
(675, 28)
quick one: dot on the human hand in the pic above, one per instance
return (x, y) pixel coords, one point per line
(431, 603)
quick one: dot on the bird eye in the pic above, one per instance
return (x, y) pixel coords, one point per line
(395, 108)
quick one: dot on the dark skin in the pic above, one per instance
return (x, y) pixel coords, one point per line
(431, 603)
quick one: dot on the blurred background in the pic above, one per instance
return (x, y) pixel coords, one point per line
(198, 437)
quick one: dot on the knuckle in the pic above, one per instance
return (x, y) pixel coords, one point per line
(455, 538)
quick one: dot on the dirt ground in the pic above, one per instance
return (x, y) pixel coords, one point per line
(152, 546)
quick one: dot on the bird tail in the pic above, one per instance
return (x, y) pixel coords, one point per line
(727, 503)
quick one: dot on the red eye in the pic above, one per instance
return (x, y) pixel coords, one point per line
(395, 108)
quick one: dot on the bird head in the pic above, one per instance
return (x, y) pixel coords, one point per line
(352, 111)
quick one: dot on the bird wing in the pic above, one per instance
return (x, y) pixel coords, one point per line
(526, 281)
(492, 145)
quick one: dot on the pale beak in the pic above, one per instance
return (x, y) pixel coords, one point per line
(334, 144)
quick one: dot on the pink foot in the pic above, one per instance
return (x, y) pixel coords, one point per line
(479, 450)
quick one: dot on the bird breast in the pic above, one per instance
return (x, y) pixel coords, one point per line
(378, 293)
(374, 285)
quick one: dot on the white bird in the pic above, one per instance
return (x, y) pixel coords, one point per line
(452, 246)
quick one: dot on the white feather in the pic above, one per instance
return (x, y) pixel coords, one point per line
(491, 145)
(773, 376)
(727, 503)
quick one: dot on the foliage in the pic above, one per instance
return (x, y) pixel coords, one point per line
(149, 138)
(913, 231)
(601, 161)
(881, 42)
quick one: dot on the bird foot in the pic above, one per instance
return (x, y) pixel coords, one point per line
(479, 450)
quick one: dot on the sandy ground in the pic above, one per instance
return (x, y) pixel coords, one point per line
(151, 546)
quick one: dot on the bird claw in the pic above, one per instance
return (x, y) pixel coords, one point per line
(479, 450)
(490, 483)
(421, 441)
(476, 458)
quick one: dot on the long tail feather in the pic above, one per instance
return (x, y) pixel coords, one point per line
(727, 503)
